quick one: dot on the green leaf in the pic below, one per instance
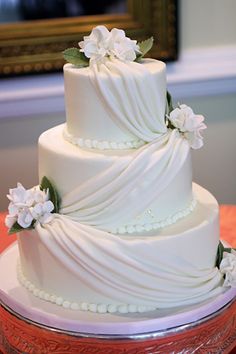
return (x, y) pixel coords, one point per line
(76, 57)
(169, 102)
(220, 251)
(144, 46)
(219, 254)
(53, 194)
(169, 108)
(17, 228)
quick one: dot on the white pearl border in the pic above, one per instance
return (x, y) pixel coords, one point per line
(129, 229)
(101, 145)
(81, 306)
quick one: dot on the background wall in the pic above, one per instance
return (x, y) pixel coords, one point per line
(208, 32)
(207, 23)
(204, 78)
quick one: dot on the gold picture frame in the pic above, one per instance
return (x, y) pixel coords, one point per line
(36, 46)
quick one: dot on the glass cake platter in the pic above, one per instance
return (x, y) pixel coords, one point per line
(19, 301)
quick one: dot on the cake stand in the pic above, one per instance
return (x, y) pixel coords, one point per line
(30, 325)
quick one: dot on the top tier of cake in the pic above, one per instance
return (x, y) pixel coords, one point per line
(99, 101)
(118, 106)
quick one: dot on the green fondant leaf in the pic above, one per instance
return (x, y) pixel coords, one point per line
(220, 251)
(53, 194)
(17, 228)
(76, 57)
(144, 46)
(169, 108)
(169, 102)
(219, 254)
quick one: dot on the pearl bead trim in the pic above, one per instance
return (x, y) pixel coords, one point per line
(82, 306)
(101, 145)
(129, 229)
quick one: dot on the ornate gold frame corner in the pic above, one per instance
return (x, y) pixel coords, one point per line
(36, 46)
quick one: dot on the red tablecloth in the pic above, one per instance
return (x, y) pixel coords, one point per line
(227, 227)
(5, 239)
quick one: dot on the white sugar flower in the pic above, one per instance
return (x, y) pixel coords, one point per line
(42, 211)
(228, 268)
(19, 196)
(188, 123)
(24, 218)
(95, 46)
(101, 44)
(28, 205)
(122, 47)
(38, 195)
(10, 220)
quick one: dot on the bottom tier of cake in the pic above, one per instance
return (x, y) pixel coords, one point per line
(80, 267)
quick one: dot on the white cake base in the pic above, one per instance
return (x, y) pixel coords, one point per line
(21, 301)
(77, 266)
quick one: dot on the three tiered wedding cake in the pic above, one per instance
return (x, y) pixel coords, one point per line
(116, 224)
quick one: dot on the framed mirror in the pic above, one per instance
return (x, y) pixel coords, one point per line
(34, 42)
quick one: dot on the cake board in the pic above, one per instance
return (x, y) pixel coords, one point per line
(30, 325)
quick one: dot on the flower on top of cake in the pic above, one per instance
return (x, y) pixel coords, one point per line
(102, 45)
(30, 206)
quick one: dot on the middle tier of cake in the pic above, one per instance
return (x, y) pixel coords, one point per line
(120, 191)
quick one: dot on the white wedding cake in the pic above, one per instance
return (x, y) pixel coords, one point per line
(116, 224)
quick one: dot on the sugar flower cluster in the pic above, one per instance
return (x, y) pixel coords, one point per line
(189, 124)
(27, 206)
(102, 43)
(228, 268)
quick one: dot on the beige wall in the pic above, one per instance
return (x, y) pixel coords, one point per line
(214, 166)
(212, 24)
(204, 23)
(207, 23)
(18, 151)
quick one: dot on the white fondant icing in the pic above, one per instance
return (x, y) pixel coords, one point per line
(77, 261)
(99, 103)
(172, 267)
(157, 225)
(115, 188)
(84, 306)
(101, 145)
(133, 96)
